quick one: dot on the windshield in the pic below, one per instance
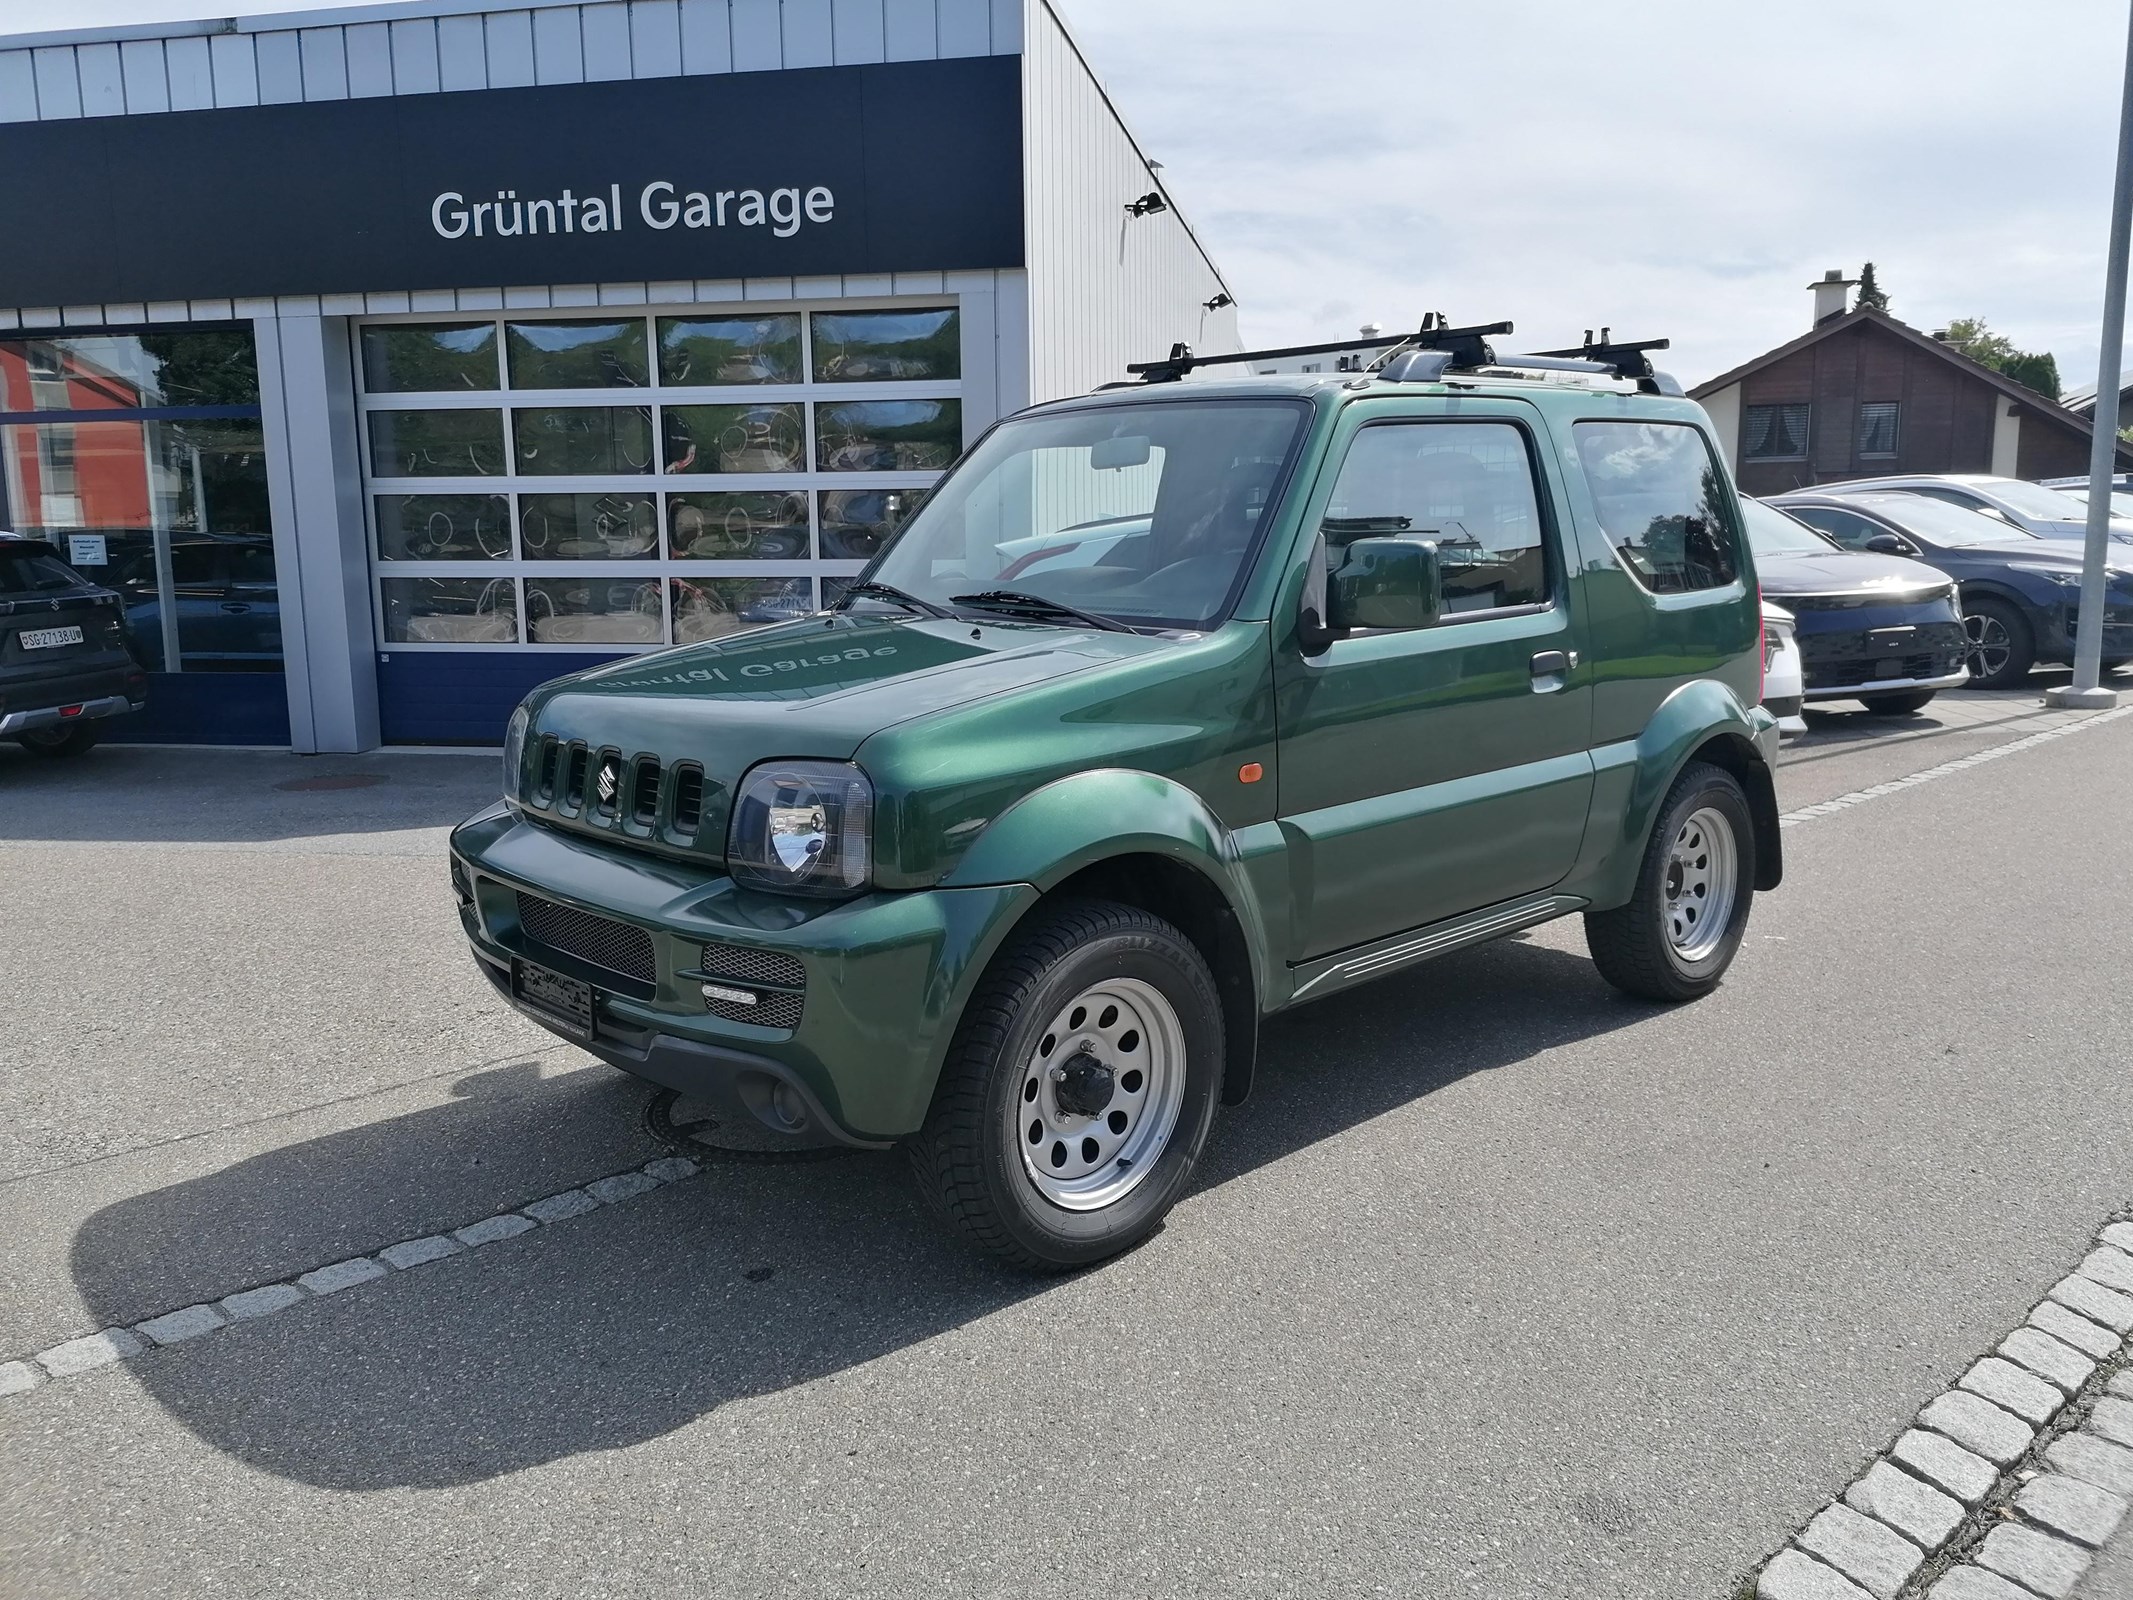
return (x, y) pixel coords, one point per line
(2121, 500)
(1772, 533)
(32, 569)
(1145, 512)
(1941, 523)
(2033, 499)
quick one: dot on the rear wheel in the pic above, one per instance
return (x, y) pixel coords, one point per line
(68, 741)
(1897, 705)
(2002, 648)
(1680, 930)
(1079, 1090)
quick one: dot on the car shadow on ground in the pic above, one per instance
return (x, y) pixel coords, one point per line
(618, 1327)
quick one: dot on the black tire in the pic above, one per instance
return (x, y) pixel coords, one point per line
(1989, 667)
(1900, 704)
(60, 742)
(1631, 945)
(966, 1158)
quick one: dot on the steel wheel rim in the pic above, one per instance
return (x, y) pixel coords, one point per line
(1119, 1040)
(1702, 879)
(1990, 646)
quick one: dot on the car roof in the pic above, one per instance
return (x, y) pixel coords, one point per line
(1334, 387)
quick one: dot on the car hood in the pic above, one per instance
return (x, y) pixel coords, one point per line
(2061, 553)
(1845, 572)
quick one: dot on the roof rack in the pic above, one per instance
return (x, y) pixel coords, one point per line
(1466, 346)
(1625, 358)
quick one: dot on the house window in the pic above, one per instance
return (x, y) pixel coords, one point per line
(1776, 433)
(1877, 428)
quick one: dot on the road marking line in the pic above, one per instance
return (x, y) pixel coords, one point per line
(1977, 758)
(1901, 1534)
(116, 1345)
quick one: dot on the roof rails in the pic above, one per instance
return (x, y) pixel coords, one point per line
(1436, 349)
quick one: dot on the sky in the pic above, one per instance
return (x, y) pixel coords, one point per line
(1669, 168)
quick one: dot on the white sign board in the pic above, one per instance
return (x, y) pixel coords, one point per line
(87, 550)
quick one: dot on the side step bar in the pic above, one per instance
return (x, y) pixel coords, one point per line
(1327, 974)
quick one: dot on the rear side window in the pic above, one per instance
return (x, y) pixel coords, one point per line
(1465, 486)
(23, 573)
(1662, 503)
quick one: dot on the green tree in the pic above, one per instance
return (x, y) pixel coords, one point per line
(2032, 369)
(1870, 293)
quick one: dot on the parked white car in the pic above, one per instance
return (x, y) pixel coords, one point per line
(1784, 680)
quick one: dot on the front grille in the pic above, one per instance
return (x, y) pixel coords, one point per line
(598, 941)
(688, 800)
(644, 791)
(1844, 674)
(741, 967)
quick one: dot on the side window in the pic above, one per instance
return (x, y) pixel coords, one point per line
(1662, 503)
(1843, 526)
(1467, 487)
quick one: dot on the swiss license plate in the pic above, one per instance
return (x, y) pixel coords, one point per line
(48, 638)
(567, 1001)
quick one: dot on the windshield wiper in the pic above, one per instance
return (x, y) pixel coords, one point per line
(870, 590)
(1019, 602)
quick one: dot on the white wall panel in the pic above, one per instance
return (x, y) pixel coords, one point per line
(706, 36)
(807, 33)
(1008, 26)
(909, 29)
(213, 310)
(526, 299)
(325, 59)
(558, 47)
(965, 27)
(58, 86)
(370, 60)
(147, 84)
(605, 34)
(511, 63)
(102, 79)
(81, 316)
(1105, 288)
(40, 316)
(463, 54)
(125, 311)
(281, 68)
(856, 31)
(9, 320)
(236, 64)
(415, 56)
(622, 294)
(341, 305)
(655, 38)
(168, 311)
(18, 86)
(385, 305)
(757, 42)
(574, 294)
(190, 72)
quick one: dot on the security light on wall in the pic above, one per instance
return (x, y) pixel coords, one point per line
(1222, 298)
(1148, 204)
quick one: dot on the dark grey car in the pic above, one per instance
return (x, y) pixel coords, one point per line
(64, 666)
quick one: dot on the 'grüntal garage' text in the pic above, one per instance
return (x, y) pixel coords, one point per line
(659, 204)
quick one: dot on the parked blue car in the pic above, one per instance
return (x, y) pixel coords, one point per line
(2020, 594)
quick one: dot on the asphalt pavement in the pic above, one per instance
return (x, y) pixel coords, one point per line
(1501, 1285)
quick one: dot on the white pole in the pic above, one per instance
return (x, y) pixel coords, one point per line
(2086, 689)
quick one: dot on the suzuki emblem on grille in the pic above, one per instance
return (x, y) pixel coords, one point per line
(610, 780)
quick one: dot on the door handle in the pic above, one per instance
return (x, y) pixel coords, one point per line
(1551, 669)
(235, 608)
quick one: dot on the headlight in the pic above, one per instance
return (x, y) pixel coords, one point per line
(515, 751)
(803, 827)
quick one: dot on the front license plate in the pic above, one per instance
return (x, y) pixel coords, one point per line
(48, 638)
(567, 1001)
(1889, 667)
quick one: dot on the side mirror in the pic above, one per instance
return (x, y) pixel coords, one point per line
(1386, 583)
(1892, 544)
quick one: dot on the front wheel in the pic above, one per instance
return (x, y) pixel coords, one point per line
(2002, 648)
(1682, 926)
(55, 742)
(1900, 704)
(1079, 1089)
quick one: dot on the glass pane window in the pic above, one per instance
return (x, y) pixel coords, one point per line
(888, 435)
(444, 527)
(1467, 487)
(706, 608)
(1662, 502)
(1775, 433)
(1877, 428)
(436, 444)
(450, 611)
(583, 440)
(124, 371)
(737, 527)
(594, 611)
(429, 357)
(588, 527)
(887, 346)
(768, 438)
(856, 523)
(605, 354)
(718, 350)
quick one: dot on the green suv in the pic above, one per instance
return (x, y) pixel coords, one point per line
(1174, 706)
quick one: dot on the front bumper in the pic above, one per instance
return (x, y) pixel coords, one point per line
(1856, 691)
(883, 977)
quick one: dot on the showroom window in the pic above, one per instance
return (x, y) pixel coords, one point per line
(627, 480)
(139, 456)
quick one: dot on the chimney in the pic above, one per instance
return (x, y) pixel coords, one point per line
(1832, 295)
(1370, 330)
